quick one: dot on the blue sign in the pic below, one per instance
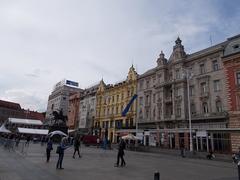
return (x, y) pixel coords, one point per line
(72, 83)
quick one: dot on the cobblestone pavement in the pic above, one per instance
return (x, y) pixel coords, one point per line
(99, 164)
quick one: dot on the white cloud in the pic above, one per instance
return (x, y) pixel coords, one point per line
(44, 41)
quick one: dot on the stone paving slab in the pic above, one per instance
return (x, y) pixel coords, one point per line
(99, 164)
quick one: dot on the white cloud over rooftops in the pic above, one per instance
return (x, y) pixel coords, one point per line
(42, 42)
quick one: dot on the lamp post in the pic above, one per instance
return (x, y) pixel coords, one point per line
(188, 76)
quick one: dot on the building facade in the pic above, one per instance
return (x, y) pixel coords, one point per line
(87, 109)
(14, 110)
(163, 100)
(111, 100)
(73, 113)
(231, 61)
(59, 98)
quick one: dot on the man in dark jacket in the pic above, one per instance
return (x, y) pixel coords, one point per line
(121, 147)
(77, 144)
(49, 149)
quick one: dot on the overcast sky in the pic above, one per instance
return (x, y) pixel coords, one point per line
(42, 42)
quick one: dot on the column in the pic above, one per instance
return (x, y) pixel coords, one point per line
(177, 146)
(186, 140)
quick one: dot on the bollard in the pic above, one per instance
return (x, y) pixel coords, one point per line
(238, 165)
(156, 176)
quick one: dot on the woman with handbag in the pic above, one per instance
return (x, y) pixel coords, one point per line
(60, 150)
(49, 149)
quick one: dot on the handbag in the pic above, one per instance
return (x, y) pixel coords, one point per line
(58, 149)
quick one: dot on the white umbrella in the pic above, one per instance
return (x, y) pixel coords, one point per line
(57, 133)
(129, 137)
(3, 129)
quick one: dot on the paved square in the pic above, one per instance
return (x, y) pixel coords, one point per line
(99, 164)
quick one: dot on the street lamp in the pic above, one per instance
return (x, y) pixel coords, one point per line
(188, 76)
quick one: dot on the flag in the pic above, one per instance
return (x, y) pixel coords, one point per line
(125, 111)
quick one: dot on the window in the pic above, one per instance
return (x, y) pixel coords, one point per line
(203, 87)
(140, 100)
(202, 68)
(128, 93)
(191, 90)
(154, 113)
(205, 108)
(159, 78)
(236, 46)
(127, 123)
(238, 78)
(178, 92)
(178, 74)
(193, 108)
(178, 110)
(147, 113)
(113, 99)
(117, 98)
(154, 98)
(141, 85)
(147, 84)
(216, 85)
(154, 80)
(118, 124)
(140, 114)
(117, 110)
(215, 65)
(218, 106)
(147, 99)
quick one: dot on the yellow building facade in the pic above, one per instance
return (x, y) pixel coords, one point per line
(111, 100)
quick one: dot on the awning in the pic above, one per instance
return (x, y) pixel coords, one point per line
(3, 129)
(25, 121)
(233, 130)
(33, 131)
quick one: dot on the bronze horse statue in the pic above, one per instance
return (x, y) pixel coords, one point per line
(59, 117)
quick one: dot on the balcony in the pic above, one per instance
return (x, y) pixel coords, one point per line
(169, 117)
(204, 95)
(168, 99)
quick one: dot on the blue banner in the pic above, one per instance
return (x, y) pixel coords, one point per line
(125, 111)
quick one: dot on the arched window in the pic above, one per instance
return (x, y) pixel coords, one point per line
(147, 113)
(218, 106)
(205, 108)
(140, 114)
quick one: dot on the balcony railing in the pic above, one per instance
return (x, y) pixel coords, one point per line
(168, 99)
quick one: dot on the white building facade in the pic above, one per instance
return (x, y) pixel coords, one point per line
(163, 100)
(58, 100)
(87, 111)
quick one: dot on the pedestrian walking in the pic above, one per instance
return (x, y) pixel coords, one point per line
(60, 151)
(98, 142)
(49, 149)
(121, 147)
(77, 144)
(28, 141)
(182, 148)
